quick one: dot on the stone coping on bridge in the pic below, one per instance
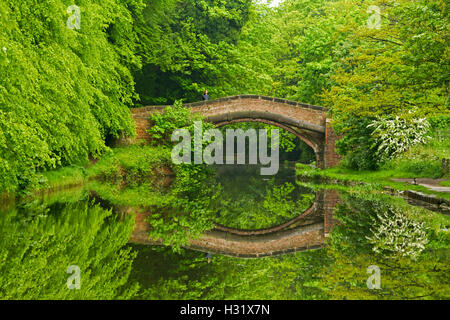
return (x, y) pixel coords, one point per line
(260, 116)
(224, 99)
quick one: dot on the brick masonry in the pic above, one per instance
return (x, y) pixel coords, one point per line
(308, 122)
(331, 157)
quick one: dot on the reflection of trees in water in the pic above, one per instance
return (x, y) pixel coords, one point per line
(361, 241)
(167, 275)
(39, 243)
(338, 271)
(250, 201)
(185, 211)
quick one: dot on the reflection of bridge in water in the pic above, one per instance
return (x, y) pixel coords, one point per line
(305, 232)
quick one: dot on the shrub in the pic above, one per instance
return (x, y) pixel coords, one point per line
(395, 136)
(440, 126)
(62, 92)
(164, 124)
(357, 144)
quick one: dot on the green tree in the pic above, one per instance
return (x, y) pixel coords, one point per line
(188, 46)
(63, 92)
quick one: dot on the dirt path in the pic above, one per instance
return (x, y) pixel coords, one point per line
(432, 184)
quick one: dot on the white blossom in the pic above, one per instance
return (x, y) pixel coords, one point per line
(396, 136)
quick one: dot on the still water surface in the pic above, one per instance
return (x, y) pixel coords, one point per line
(273, 239)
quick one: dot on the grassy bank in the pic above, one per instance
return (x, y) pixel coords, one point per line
(63, 178)
(420, 161)
(378, 179)
(131, 165)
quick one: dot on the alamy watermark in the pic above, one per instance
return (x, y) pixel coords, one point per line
(74, 281)
(374, 281)
(74, 21)
(258, 151)
(374, 21)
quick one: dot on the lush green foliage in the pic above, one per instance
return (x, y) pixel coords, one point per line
(62, 91)
(132, 165)
(368, 143)
(188, 213)
(164, 124)
(357, 143)
(179, 196)
(40, 241)
(426, 159)
(399, 69)
(236, 46)
(65, 94)
(144, 177)
(395, 136)
(188, 46)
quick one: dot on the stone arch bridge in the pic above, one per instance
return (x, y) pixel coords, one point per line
(307, 122)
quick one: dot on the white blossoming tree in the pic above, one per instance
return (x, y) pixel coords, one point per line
(395, 136)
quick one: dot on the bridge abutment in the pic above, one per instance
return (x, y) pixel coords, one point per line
(331, 158)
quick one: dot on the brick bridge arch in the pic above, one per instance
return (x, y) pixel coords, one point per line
(306, 232)
(309, 123)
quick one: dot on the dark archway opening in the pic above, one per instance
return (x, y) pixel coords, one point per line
(293, 147)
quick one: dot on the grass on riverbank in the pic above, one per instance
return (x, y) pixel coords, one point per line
(135, 162)
(133, 175)
(445, 183)
(420, 161)
(378, 179)
(62, 178)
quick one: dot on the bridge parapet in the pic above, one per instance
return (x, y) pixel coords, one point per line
(149, 109)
